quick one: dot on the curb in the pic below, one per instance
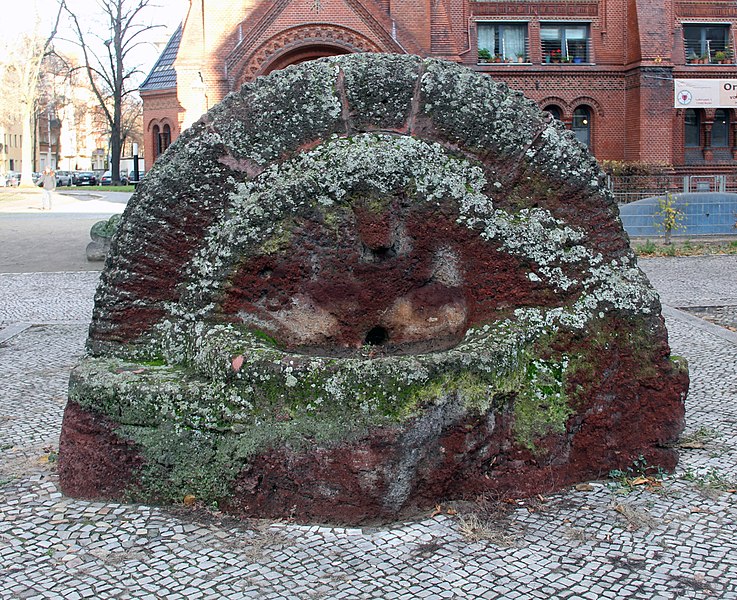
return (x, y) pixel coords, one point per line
(720, 332)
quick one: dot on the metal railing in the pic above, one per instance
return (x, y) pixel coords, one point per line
(630, 188)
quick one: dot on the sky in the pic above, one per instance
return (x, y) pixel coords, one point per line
(26, 13)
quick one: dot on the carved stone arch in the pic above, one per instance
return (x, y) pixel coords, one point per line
(151, 123)
(302, 43)
(588, 101)
(161, 121)
(556, 101)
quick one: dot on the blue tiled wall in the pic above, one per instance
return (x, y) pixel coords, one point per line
(705, 213)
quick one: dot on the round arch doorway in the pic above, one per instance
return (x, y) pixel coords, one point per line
(303, 54)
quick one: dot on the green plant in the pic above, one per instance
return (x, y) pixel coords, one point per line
(647, 248)
(698, 438)
(637, 474)
(484, 54)
(711, 482)
(720, 55)
(669, 217)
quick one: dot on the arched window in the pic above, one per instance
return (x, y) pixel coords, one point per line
(156, 133)
(581, 124)
(720, 129)
(692, 134)
(554, 110)
(165, 138)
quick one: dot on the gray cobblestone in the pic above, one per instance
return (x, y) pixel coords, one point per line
(676, 541)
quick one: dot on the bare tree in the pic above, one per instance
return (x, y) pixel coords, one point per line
(109, 73)
(21, 89)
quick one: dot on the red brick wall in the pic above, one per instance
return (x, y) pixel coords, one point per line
(636, 48)
(160, 109)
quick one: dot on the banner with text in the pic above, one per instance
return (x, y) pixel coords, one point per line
(706, 93)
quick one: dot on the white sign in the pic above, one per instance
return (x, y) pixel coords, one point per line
(705, 93)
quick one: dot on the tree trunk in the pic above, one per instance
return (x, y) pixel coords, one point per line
(27, 149)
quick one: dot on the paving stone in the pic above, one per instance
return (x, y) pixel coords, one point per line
(574, 546)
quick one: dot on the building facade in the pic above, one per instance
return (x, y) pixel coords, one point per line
(606, 68)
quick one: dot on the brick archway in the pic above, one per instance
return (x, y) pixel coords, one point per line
(300, 44)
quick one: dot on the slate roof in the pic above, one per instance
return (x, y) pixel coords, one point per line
(163, 76)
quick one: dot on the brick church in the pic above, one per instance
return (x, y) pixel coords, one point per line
(608, 69)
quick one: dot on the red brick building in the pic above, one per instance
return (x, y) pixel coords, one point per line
(606, 68)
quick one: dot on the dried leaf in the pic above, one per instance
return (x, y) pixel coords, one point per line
(694, 445)
(640, 481)
(138, 371)
(189, 500)
(584, 487)
(451, 511)
(237, 362)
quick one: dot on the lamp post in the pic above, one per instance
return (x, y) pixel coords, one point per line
(135, 162)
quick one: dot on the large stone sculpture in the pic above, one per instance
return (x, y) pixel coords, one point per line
(364, 285)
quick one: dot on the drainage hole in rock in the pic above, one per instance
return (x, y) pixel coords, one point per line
(377, 336)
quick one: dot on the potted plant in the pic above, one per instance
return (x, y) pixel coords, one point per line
(520, 57)
(484, 55)
(692, 57)
(720, 56)
(555, 56)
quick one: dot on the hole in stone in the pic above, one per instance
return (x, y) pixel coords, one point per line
(377, 336)
(379, 254)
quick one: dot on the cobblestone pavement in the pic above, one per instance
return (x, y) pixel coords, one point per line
(605, 539)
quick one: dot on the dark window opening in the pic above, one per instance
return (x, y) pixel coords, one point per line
(165, 138)
(555, 111)
(720, 129)
(693, 129)
(157, 140)
(581, 124)
(703, 42)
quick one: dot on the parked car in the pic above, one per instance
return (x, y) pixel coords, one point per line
(84, 178)
(106, 179)
(141, 175)
(12, 179)
(63, 178)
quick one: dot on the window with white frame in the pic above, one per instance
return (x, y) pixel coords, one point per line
(506, 42)
(706, 43)
(565, 42)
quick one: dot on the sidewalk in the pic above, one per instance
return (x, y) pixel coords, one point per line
(604, 539)
(47, 241)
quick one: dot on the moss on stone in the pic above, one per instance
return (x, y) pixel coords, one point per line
(541, 405)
